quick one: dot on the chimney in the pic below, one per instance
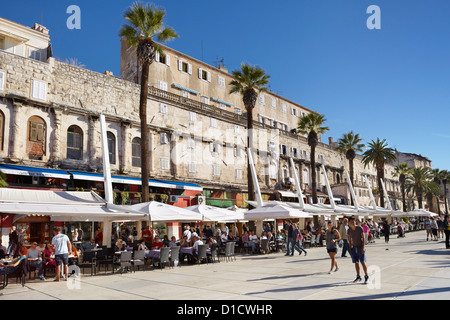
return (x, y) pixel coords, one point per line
(40, 28)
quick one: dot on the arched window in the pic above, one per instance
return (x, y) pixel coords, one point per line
(338, 178)
(136, 152)
(75, 143)
(111, 147)
(36, 138)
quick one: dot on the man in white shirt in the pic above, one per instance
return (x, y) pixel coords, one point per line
(63, 248)
(226, 230)
(187, 233)
(197, 242)
(224, 237)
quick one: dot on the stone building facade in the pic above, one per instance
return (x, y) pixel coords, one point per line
(50, 118)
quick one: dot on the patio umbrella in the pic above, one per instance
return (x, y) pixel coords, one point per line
(161, 212)
(211, 213)
(275, 211)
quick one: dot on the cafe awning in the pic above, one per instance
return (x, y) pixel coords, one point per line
(34, 172)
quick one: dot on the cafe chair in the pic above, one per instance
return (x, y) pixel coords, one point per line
(232, 250)
(264, 246)
(164, 257)
(125, 260)
(175, 256)
(202, 253)
(104, 257)
(138, 259)
(214, 253)
(89, 260)
(20, 272)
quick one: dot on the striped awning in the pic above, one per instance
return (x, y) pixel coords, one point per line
(221, 101)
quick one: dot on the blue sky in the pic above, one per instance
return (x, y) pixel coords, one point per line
(391, 83)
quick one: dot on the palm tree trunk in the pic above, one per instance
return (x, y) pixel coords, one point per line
(144, 132)
(313, 175)
(352, 175)
(445, 197)
(403, 196)
(419, 198)
(380, 175)
(251, 194)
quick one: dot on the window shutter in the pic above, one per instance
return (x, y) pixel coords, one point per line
(167, 60)
(190, 68)
(211, 146)
(200, 73)
(208, 76)
(219, 148)
(157, 56)
(42, 90)
(2, 80)
(180, 65)
(33, 132)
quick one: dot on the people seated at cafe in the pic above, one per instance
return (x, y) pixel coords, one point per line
(41, 248)
(2, 250)
(35, 260)
(173, 242)
(184, 242)
(224, 237)
(120, 246)
(12, 266)
(247, 243)
(208, 232)
(89, 245)
(197, 242)
(166, 241)
(210, 242)
(157, 244)
(49, 255)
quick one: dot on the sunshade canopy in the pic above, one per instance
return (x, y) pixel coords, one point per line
(211, 213)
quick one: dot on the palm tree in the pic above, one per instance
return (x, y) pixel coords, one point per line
(249, 81)
(348, 145)
(312, 126)
(432, 190)
(416, 182)
(401, 171)
(379, 154)
(144, 24)
(445, 177)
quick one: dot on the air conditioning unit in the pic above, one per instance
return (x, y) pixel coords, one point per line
(173, 198)
(201, 200)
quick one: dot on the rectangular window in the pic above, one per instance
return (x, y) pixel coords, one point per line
(192, 167)
(204, 75)
(284, 150)
(191, 143)
(35, 54)
(2, 80)
(164, 138)
(238, 173)
(162, 58)
(213, 123)
(222, 106)
(215, 147)
(2, 43)
(163, 108)
(236, 129)
(237, 111)
(262, 99)
(221, 82)
(274, 103)
(39, 90)
(283, 107)
(238, 152)
(165, 164)
(294, 112)
(162, 85)
(185, 94)
(185, 67)
(192, 116)
(204, 100)
(216, 170)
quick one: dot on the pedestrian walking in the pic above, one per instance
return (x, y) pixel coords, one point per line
(446, 225)
(290, 239)
(386, 231)
(434, 229)
(63, 248)
(357, 249)
(440, 223)
(298, 240)
(427, 224)
(332, 237)
(343, 232)
(13, 242)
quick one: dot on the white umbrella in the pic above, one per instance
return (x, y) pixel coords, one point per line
(216, 214)
(415, 213)
(160, 212)
(275, 211)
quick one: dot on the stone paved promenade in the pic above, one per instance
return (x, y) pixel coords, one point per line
(411, 268)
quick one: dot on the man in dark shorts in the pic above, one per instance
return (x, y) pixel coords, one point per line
(356, 243)
(63, 248)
